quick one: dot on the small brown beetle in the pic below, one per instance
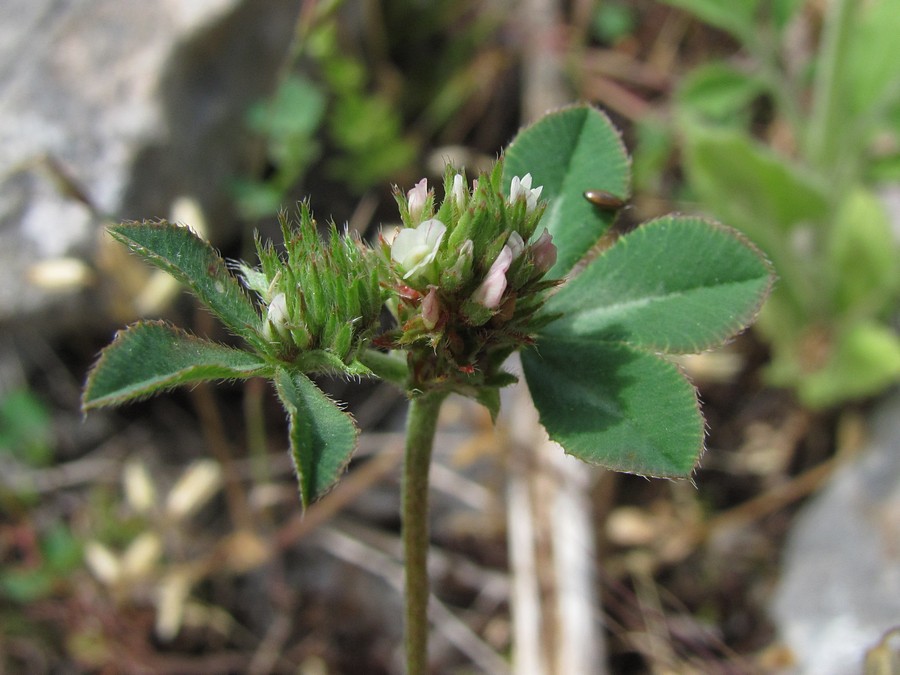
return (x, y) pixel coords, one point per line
(604, 200)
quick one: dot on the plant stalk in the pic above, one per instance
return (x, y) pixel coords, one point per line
(824, 135)
(420, 430)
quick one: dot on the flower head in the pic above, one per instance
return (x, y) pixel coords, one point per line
(467, 278)
(520, 188)
(414, 249)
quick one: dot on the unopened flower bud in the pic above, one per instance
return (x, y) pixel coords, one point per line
(490, 291)
(431, 308)
(415, 248)
(459, 191)
(516, 244)
(457, 274)
(520, 188)
(276, 318)
(416, 198)
(543, 252)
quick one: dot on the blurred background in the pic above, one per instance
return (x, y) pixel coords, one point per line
(166, 536)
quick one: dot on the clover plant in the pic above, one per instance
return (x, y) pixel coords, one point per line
(469, 279)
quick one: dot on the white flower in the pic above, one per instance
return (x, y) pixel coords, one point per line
(520, 188)
(459, 191)
(276, 318)
(494, 284)
(415, 248)
(416, 198)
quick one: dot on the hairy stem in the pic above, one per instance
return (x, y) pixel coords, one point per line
(389, 367)
(421, 425)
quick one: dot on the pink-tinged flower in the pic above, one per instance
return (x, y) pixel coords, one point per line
(415, 248)
(415, 199)
(543, 252)
(490, 291)
(431, 308)
(520, 188)
(459, 191)
(276, 318)
(516, 244)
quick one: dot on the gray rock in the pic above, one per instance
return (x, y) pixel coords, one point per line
(138, 102)
(840, 589)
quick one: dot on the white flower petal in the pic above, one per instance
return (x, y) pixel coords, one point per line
(415, 248)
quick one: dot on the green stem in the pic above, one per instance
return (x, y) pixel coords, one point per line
(420, 429)
(390, 367)
(829, 105)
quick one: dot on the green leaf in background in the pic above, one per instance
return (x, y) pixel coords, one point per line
(863, 255)
(737, 17)
(720, 93)
(60, 556)
(749, 186)
(568, 152)
(871, 73)
(295, 112)
(653, 152)
(677, 284)
(289, 123)
(614, 406)
(369, 131)
(193, 262)
(26, 428)
(323, 438)
(782, 11)
(857, 80)
(150, 357)
(61, 549)
(257, 199)
(865, 359)
(613, 21)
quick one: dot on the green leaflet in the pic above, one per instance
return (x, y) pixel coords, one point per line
(614, 406)
(150, 357)
(193, 262)
(322, 437)
(676, 284)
